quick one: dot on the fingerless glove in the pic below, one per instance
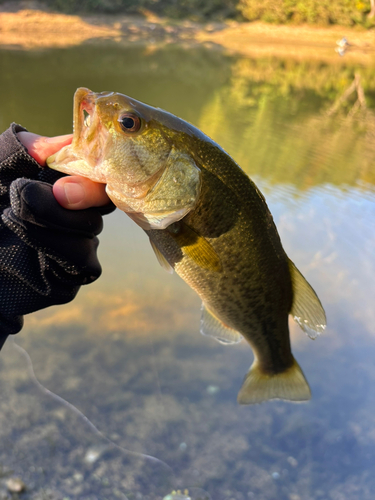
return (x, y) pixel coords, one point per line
(46, 251)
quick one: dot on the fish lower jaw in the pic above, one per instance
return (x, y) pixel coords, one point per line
(74, 167)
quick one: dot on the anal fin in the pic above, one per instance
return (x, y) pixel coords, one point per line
(213, 327)
(307, 309)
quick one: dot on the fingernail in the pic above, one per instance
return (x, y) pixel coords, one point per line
(59, 138)
(74, 192)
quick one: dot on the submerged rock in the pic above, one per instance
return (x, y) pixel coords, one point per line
(178, 495)
(15, 485)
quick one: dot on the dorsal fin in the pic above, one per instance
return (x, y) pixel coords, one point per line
(161, 259)
(307, 309)
(213, 327)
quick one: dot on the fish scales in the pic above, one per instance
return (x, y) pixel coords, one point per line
(245, 258)
(208, 221)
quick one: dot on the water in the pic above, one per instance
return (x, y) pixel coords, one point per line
(152, 404)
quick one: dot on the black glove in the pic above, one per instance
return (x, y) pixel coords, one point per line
(46, 251)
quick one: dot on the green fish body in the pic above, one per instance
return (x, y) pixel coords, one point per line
(206, 220)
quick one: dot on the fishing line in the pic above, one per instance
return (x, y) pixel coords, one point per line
(79, 414)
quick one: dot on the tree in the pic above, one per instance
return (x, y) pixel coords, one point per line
(372, 11)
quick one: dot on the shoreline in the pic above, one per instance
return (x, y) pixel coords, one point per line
(30, 29)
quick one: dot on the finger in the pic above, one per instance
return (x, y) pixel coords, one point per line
(40, 147)
(77, 193)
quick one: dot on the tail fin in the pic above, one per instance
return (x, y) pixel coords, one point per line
(258, 386)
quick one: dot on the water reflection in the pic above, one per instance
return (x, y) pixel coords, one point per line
(127, 352)
(280, 124)
(56, 448)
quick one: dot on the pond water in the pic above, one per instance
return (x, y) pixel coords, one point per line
(117, 395)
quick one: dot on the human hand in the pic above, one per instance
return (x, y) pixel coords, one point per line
(46, 251)
(72, 192)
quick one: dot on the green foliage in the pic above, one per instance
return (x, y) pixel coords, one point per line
(342, 12)
(325, 12)
(93, 6)
(199, 9)
(193, 8)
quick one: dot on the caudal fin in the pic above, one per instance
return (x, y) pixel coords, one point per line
(290, 385)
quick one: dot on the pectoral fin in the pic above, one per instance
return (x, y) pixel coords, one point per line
(307, 309)
(196, 247)
(213, 327)
(161, 259)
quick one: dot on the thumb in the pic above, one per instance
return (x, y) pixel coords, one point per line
(77, 193)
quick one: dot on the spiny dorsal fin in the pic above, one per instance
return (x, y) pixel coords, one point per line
(307, 309)
(213, 327)
(196, 247)
(290, 385)
(161, 259)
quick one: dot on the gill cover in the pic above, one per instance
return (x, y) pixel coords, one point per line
(169, 200)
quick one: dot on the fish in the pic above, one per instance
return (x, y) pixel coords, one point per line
(207, 221)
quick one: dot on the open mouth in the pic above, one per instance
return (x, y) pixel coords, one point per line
(86, 115)
(90, 137)
(84, 107)
(86, 118)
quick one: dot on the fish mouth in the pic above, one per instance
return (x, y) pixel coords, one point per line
(83, 113)
(87, 127)
(86, 152)
(85, 118)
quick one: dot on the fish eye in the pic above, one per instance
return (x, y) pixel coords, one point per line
(130, 122)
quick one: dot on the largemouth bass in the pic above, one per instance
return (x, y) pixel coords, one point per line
(206, 220)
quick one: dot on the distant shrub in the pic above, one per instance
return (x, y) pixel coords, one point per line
(200, 9)
(342, 12)
(93, 6)
(204, 9)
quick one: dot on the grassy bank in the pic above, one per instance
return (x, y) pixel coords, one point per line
(321, 12)
(315, 12)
